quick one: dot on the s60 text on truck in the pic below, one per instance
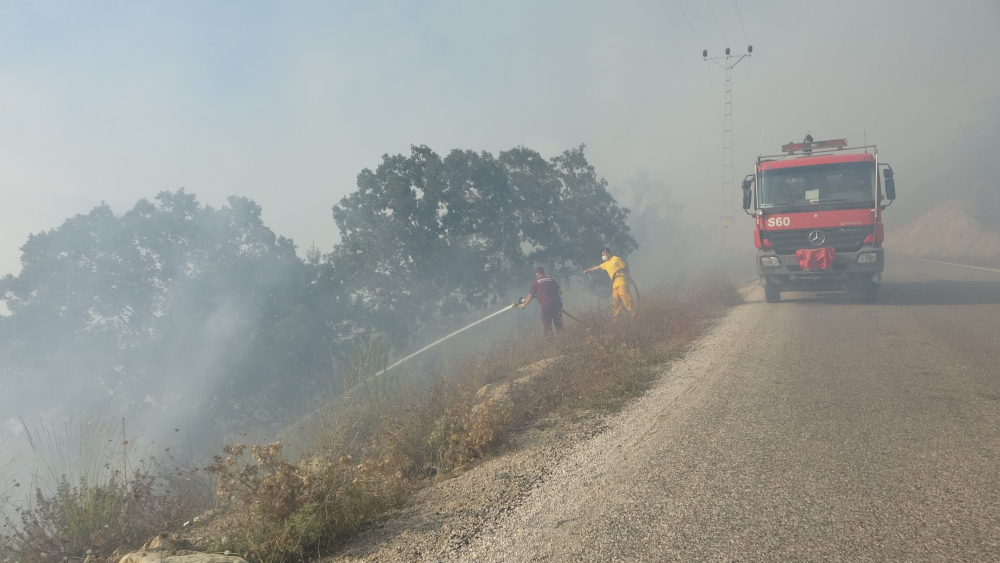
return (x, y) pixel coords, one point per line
(818, 212)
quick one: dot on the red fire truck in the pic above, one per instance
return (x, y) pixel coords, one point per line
(818, 211)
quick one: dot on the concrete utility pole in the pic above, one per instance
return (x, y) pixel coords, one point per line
(726, 213)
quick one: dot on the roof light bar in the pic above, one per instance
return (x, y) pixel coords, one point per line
(832, 143)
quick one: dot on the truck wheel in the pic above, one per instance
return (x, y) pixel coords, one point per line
(866, 292)
(771, 293)
(870, 292)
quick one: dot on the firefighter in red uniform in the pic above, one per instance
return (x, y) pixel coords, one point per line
(548, 293)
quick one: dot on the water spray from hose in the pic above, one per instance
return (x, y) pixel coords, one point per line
(433, 344)
(358, 385)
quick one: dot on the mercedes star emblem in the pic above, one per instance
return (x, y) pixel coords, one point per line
(816, 238)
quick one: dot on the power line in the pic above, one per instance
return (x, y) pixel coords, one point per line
(727, 201)
(689, 24)
(741, 21)
(717, 22)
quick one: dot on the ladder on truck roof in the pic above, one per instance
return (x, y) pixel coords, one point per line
(815, 148)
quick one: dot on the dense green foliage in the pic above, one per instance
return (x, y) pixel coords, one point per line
(424, 235)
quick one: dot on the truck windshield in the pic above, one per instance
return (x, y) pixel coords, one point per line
(843, 185)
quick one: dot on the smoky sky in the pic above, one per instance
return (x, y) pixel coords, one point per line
(286, 102)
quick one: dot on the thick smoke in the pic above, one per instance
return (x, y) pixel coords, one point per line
(963, 167)
(170, 314)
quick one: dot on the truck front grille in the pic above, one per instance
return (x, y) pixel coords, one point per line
(842, 239)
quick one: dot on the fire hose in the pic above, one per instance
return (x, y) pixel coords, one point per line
(634, 286)
(628, 279)
(435, 343)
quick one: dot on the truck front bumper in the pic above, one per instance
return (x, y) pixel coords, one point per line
(848, 268)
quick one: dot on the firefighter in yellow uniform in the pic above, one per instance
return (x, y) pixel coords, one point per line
(617, 269)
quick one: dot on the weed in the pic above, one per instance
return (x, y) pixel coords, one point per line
(103, 498)
(294, 510)
(374, 446)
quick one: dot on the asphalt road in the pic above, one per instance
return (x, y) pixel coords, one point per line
(815, 429)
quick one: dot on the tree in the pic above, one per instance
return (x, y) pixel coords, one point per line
(170, 306)
(424, 236)
(207, 314)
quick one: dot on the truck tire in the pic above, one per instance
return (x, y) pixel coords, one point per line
(866, 292)
(771, 293)
(870, 292)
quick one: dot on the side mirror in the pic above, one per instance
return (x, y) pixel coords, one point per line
(747, 194)
(890, 184)
(890, 189)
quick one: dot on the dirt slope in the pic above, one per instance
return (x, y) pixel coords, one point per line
(947, 232)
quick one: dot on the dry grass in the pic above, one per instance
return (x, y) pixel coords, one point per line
(373, 447)
(93, 490)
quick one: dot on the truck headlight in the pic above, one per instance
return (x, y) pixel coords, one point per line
(867, 258)
(770, 262)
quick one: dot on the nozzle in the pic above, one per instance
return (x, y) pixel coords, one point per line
(519, 302)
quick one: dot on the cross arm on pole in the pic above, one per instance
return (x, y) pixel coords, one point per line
(716, 61)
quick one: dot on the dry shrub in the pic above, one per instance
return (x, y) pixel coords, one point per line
(372, 448)
(604, 363)
(376, 445)
(444, 426)
(292, 511)
(93, 494)
(458, 435)
(601, 365)
(488, 429)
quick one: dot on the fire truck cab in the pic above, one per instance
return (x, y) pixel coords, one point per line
(818, 212)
